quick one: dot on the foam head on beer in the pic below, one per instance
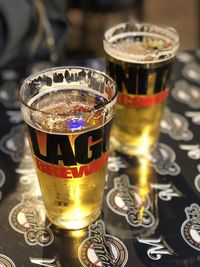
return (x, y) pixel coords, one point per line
(68, 114)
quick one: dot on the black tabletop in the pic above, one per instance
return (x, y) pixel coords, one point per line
(168, 235)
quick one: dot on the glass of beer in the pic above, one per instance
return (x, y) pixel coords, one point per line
(139, 58)
(68, 113)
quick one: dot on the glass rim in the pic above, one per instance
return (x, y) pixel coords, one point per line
(171, 34)
(44, 71)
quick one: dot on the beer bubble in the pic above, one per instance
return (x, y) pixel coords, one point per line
(71, 110)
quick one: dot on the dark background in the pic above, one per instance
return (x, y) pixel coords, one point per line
(89, 19)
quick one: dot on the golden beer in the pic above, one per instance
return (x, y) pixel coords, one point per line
(139, 58)
(68, 132)
(136, 130)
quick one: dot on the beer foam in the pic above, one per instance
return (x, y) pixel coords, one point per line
(140, 47)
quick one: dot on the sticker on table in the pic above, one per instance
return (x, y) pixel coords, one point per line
(15, 116)
(116, 163)
(191, 71)
(190, 229)
(184, 57)
(2, 182)
(197, 182)
(193, 150)
(187, 94)
(176, 126)
(158, 247)
(163, 160)
(125, 200)
(13, 143)
(48, 262)
(194, 115)
(6, 261)
(166, 191)
(8, 95)
(101, 250)
(28, 218)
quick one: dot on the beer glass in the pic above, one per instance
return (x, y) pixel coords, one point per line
(68, 113)
(139, 58)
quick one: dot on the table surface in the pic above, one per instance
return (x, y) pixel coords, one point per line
(169, 234)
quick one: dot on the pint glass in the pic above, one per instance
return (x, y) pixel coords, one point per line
(68, 114)
(139, 58)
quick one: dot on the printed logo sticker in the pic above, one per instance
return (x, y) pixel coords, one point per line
(184, 57)
(2, 181)
(163, 160)
(187, 94)
(194, 115)
(102, 250)
(13, 143)
(15, 116)
(193, 150)
(197, 182)
(124, 199)
(190, 229)
(192, 72)
(116, 163)
(176, 126)
(6, 262)
(48, 262)
(166, 191)
(158, 247)
(28, 218)
(7, 94)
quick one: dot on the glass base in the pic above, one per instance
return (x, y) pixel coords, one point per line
(75, 224)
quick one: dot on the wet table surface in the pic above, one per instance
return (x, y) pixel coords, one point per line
(168, 234)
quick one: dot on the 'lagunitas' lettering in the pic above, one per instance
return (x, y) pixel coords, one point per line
(70, 156)
(140, 85)
(139, 79)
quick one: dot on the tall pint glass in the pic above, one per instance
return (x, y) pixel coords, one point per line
(139, 58)
(68, 114)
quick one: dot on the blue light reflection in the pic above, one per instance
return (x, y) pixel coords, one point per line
(74, 125)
